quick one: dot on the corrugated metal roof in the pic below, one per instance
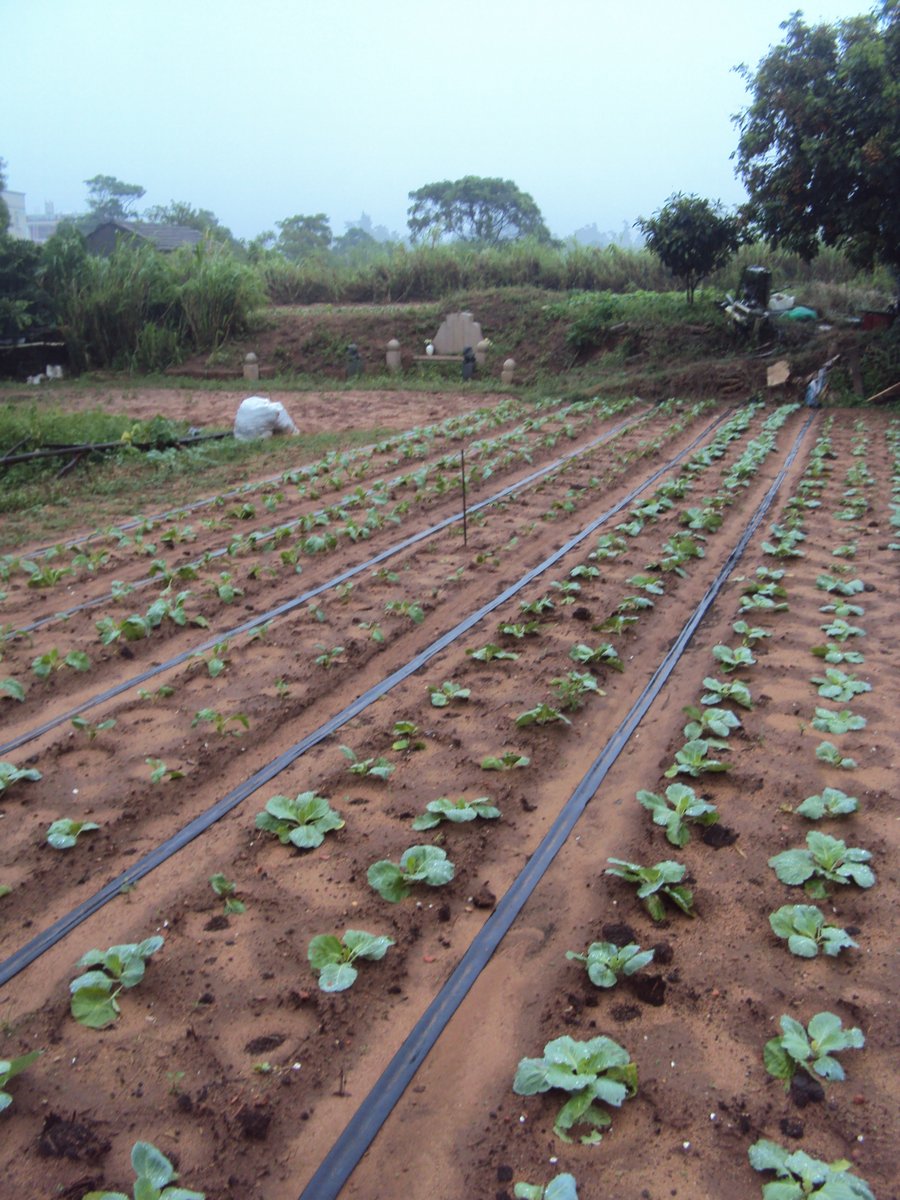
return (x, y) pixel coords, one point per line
(163, 237)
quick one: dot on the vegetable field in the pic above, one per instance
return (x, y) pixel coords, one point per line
(354, 848)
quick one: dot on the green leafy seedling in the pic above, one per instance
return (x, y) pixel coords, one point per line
(405, 736)
(217, 661)
(378, 768)
(653, 883)
(328, 657)
(301, 820)
(492, 652)
(726, 689)
(840, 630)
(159, 771)
(154, 1173)
(541, 714)
(9, 1069)
(604, 655)
(811, 1049)
(418, 864)
(572, 688)
(837, 722)
(750, 633)
(604, 961)
(693, 759)
(827, 752)
(593, 1072)
(833, 653)
(441, 696)
(534, 608)
(64, 833)
(825, 860)
(10, 774)
(88, 727)
(733, 660)
(832, 802)
(703, 721)
(520, 630)
(333, 958)
(505, 762)
(221, 721)
(560, 1187)
(840, 587)
(680, 805)
(13, 689)
(406, 608)
(799, 1175)
(94, 994)
(225, 890)
(456, 811)
(837, 685)
(803, 927)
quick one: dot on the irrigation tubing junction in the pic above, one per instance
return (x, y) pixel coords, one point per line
(289, 605)
(60, 929)
(360, 1131)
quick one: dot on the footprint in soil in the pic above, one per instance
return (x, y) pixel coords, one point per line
(78, 1140)
(806, 1090)
(254, 1120)
(650, 989)
(718, 836)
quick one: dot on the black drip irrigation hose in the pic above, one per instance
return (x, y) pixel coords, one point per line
(261, 535)
(360, 1131)
(81, 448)
(55, 933)
(312, 593)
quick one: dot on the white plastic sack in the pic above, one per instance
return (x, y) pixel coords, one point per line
(260, 417)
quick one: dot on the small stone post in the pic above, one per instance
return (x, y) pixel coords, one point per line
(481, 350)
(506, 375)
(251, 366)
(392, 358)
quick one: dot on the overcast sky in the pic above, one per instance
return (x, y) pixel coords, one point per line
(260, 109)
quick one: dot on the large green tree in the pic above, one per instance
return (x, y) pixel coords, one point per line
(303, 236)
(819, 148)
(474, 209)
(691, 237)
(109, 199)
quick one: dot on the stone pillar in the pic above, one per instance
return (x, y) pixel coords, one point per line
(392, 358)
(251, 366)
(506, 375)
(481, 350)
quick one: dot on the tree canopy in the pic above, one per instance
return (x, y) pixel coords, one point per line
(109, 199)
(691, 237)
(819, 148)
(474, 209)
(303, 236)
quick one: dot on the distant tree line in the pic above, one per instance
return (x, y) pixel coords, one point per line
(818, 151)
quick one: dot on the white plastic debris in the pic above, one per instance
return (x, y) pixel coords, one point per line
(260, 417)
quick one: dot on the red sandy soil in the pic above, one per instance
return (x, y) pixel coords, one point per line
(313, 412)
(182, 1067)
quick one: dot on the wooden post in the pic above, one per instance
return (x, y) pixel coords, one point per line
(462, 474)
